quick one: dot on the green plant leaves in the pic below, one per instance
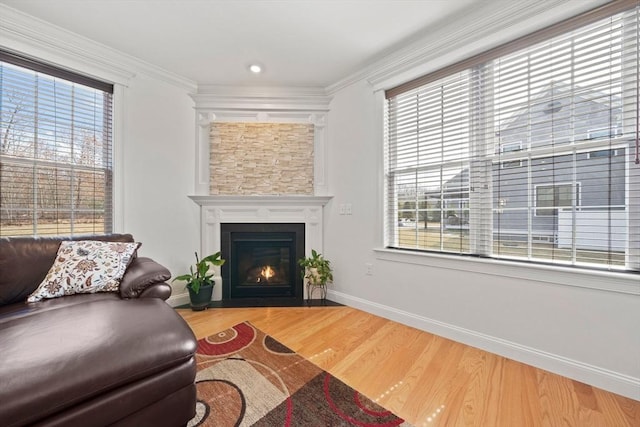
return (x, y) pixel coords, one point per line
(200, 276)
(320, 264)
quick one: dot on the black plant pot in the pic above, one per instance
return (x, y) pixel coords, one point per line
(200, 300)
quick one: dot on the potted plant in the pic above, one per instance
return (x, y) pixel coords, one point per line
(199, 281)
(316, 269)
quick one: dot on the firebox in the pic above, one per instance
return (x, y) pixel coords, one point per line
(262, 260)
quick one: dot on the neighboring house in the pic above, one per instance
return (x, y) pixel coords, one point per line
(456, 201)
(573, 164)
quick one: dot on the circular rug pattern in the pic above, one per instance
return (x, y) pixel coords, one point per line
(227, 342)
(246, 377)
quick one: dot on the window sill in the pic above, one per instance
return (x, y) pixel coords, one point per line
(611, 281)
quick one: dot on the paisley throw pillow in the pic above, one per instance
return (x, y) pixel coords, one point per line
(85, 266)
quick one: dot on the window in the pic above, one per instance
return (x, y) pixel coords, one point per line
(602, 133)
(508, 154)
(550, 198)
(55, 150)
(508, 148)
(603, 153)
(511, 147)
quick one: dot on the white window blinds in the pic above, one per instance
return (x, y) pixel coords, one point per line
(55, 151)
(527, 152)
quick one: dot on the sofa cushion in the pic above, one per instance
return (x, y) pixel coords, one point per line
(15, 311)
(85, 267)
(57, 358)
(24, 261)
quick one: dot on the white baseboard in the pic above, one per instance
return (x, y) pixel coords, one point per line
(179, 299)
(615, 382)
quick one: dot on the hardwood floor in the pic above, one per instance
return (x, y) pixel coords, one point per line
(425, 379)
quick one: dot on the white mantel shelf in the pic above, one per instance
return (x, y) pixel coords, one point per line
(272, 200)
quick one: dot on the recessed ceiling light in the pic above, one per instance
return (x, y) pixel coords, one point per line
(255, 68)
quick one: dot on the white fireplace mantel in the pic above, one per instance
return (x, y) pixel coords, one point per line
(261, 201)
(215, 210)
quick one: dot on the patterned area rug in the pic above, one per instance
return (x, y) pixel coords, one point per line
(247, 378)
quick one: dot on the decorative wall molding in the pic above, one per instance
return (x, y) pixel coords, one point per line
(31, 36)
(261, 91)
(263, 105)
(231, 98)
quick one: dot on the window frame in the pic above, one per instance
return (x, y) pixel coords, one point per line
(108, 166)
(572, 147)
(554, 208)
(511, 164)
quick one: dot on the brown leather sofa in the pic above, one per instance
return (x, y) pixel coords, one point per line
(124, 359)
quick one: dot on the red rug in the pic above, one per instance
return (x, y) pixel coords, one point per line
(247, 378)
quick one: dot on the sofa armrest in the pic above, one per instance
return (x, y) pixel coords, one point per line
(144, 273)
(157, 290)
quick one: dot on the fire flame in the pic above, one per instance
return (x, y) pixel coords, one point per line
(267, 272)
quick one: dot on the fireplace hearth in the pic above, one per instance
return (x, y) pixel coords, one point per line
(262, 260)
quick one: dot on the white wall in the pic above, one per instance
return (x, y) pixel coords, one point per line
(158, 173)
(557, 320)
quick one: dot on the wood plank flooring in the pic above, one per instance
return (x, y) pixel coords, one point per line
(423, 378)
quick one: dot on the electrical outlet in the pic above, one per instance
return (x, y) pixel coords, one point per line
(368, 269)
(347, 209)
(341, 210)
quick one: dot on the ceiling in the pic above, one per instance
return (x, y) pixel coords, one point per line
(299, 43)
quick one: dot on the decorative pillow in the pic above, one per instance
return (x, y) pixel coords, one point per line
(85, 267)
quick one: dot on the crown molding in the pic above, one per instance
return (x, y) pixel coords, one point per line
(233, 98)
(261, 90)
(32, 36)
(475, 28)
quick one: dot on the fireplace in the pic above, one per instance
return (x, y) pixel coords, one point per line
(305, 212)
(262, 260)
